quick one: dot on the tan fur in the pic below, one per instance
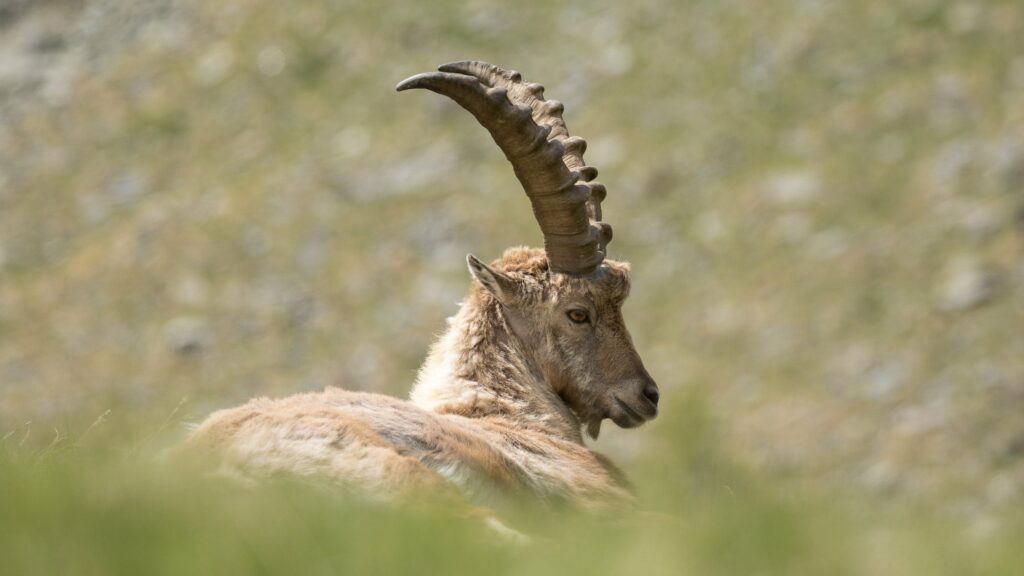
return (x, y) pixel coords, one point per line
(497, 408)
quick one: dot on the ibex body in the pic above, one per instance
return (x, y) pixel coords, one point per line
(537, 352)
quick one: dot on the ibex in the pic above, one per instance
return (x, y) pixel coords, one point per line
(537, 352)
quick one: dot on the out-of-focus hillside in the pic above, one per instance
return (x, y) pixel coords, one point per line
(823, 203)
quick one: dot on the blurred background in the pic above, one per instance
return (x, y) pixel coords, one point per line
(823, 203)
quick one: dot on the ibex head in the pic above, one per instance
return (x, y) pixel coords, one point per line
(572, 327)
(563, 303)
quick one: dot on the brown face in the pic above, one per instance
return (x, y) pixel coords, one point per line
(575, 327)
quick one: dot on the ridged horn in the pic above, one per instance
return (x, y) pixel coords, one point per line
(547, 161)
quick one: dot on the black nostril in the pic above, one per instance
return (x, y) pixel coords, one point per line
(651, 393)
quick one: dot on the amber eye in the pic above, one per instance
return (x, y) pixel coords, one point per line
(578, 316)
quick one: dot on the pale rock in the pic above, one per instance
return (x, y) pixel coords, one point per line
(271, 61)
(793, 187)
(214, 65)
(187, 335)
(966, 284)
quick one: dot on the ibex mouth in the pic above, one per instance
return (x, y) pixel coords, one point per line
(628, 417)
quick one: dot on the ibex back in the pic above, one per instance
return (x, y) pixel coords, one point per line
(538, 351)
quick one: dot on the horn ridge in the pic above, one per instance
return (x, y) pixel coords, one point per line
(547, 161)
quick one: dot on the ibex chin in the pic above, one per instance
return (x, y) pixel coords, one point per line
(537, 352)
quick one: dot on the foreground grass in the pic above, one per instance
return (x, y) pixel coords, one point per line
(99, 508)
(72, 514)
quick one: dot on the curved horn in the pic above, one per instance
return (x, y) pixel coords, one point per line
(546, 160)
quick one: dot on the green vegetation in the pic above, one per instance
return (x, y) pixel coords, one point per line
(79, 510)
(201, 202)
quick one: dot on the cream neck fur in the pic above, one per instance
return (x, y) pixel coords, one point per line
(480, 369)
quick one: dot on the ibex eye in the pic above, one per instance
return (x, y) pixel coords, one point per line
(578, 316)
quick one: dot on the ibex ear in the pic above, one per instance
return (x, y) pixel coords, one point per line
(497, 283)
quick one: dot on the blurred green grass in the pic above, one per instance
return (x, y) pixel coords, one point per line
(88, 508)
(822, 202)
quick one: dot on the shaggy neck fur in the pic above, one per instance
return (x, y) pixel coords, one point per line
(480, 369)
